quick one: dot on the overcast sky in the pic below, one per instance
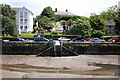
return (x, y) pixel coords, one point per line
(78, 7)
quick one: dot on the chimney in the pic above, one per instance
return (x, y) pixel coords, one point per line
(66, 10)
(55, 9)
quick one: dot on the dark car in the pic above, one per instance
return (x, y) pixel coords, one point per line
(114, 39)
(40, 39)
(16, 39)
(79, 38)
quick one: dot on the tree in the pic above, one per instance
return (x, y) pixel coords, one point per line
(97, 33)
(110, 14)
(46, 23)
(81, 27)
(70, 22)
(97, 24)
(63, 22)
(117, 22)
(8, 21)
(48, 12)
(46, 19)
(35, 29)
(73, 17)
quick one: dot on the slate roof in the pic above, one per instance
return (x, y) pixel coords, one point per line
(109, 22)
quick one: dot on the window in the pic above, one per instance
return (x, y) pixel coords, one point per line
(25, 14)
(21, 27)
(25, 27)
(25, 21)
(21, 21)
(21, 14)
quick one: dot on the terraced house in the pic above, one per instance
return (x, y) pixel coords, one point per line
(24, 19)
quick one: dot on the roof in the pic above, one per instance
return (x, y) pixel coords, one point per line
(63, 13)
(17, 9)
(109, 22)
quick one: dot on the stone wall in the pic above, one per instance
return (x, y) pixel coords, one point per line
(21, 48)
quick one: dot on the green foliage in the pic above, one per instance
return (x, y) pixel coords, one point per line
(46, 23)
(73, 17)
(70, 22)
(98, 26)
(111, 36)
(117, 22)
(46, 19)
(8, 21)
(110, 14)
(97, 23)
(30, 35)
(35, 29)
(97, 33)
(82, 45)
(55, 33)
(63, 22)
(81, 27)
(110, 44)
(48, 36)
(48, 12)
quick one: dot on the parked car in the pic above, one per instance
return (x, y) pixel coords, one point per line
(114, 39)
(16, 39)
(64, 39)
(79, 38)
(1, 40)
(96, 40)
(40, 39)
(87, 39)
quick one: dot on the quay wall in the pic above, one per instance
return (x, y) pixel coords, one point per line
(24, 48)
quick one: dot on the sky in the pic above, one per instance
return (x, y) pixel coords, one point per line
(77, 7)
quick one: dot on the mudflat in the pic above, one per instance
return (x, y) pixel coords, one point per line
(59, 67)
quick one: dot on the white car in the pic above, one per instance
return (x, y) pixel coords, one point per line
(63, 39)
(97, 40)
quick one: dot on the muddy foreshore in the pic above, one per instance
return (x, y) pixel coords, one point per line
(57, 67)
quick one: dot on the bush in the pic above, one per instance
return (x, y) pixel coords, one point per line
(48, 36)
(55, 33)
(97, 33)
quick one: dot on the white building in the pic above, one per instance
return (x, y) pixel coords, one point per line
(24, 19)
(119, 5)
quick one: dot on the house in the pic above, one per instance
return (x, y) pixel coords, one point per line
(119, 5)
(59, 26)
(110, 27)
(24, 19)
(58, 13)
